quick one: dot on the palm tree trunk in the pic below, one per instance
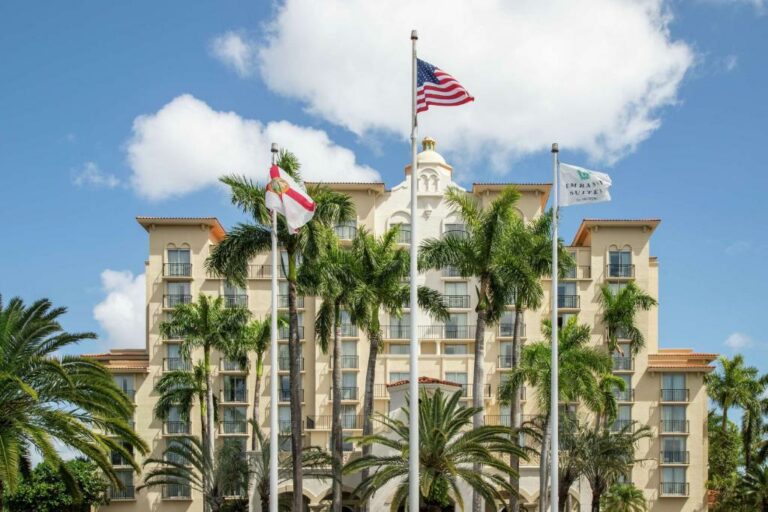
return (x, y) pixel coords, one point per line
(336, 445)
(202, 398)
(370, 377)
(516, 415)
(294, 353)
(543, 466)
(209, 402)
(596, 501)
(257, 400)
(478, 378)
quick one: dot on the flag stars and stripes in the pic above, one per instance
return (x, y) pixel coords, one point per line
(436, 87)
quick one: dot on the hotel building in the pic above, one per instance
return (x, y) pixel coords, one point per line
(665, 386)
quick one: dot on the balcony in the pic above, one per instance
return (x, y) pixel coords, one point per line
(568, 302)
(620, 425)
(171, 301)
(234, 427)
(284, 331)
(506, 361)
(503, 420)
(172, 364)
(128, 492)
(347, 392)
(284, 364)
(456, 301)
(675, 395)
(380, 391)
(227, 365)
(675, 426)
(507, 329)
(345, 231)
(578, 272)
(619, 271)
(177, 492)
(628, 395)
(176, 427)
(325, 422)
(451, 272)
(674, 457)
(396, 332)
(234, 395)
(263, 272)
(467, 391)
(447, 332)
(623, 363)
(282, 301)
(350, 362)
(235, 301)
(674, 489)
(285, 395)
(348, 330)
(284, 428)
(177, 270)
(456, 233)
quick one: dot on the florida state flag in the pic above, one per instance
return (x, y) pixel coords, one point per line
(289, 198)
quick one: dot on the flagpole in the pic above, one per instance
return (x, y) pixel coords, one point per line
(273, 423)
(413, 440)
(555, 395)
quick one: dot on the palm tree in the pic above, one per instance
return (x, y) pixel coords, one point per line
(449, 450)
(619, 310)
(333, 276)
(180, 389)
(754, 487)
(580, 370)
(385, 269)
(186, 464)
(735, 385)
(611, 456)
(524, 255)
(47, 398)
(471, 253)
(752, 423)
(231, 258)
(625, 498)
(209, 325)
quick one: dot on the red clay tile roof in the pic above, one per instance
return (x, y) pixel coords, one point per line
(681, 359)
(128, 360)
(425, 380)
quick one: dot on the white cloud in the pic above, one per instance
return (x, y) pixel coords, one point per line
(738, 340)
(92, 176)
(186, 146)
(730, 62)
(121, 314)
(591, 75)
(235, 51)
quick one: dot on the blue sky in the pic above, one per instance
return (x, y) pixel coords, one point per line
(673, 108)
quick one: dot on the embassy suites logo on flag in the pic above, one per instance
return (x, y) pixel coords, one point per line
(579, 185)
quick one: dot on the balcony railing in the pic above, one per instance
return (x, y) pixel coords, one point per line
(345, 232)
(176, 492)
(171, 364)
(173, 300)
(447, 332)
(396, 332)
(234, 395)
(675, 395)
(467, 390)
(227, 365)
(578, 272)
(348, 330)
(285, 395)
(233, 301)
(234, 427)
(177, 427)
(451, 272)
(456, 301)
(350, 362)
(619, 425)
(282, 301)
(284, 427)
(505, 361)
(284, 364)
(623, 363)
(324, 422)
(568, 301)
(619, 271)
(128, 492)
(458, 233)
(674, 457)
(628, 395)
(348, 392)
(507, 329)
(675, 426)
(130, 393)
(177, 269)
(263, 271)
(674, 488)
(380, 391)
(284, 331)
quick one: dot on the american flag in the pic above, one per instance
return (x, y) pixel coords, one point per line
(436, 87)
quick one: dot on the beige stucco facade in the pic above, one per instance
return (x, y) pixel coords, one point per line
(613, 251)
